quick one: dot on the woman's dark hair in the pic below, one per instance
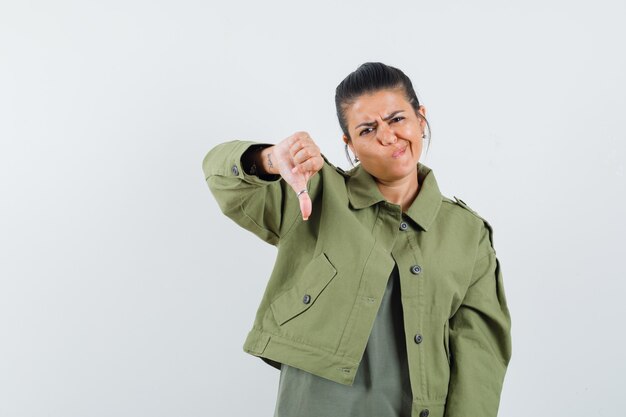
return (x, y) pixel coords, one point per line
(368, 78)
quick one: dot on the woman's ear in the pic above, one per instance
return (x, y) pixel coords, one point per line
(349, 143)
(422, 121)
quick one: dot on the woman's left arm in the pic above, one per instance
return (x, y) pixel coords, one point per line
(480, 339)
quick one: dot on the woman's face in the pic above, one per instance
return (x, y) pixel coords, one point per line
(386, 134)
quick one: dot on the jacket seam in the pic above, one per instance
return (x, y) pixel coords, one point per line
(287, 232)
(243, 210)
(300, 341)
(354, 304)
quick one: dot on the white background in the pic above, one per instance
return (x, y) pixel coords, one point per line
(124, 291)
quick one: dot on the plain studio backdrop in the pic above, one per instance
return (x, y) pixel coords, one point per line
(124, 291)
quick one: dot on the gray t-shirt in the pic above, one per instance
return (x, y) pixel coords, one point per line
(381, 386)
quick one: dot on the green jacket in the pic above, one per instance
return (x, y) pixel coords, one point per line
(331, 272)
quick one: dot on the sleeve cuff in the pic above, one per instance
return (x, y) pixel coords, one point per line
(225, 160)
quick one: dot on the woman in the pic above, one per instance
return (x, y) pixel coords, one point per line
(386, 297)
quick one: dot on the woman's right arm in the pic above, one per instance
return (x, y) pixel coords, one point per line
(267, 203)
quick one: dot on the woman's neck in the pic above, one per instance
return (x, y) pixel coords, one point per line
(401, 192)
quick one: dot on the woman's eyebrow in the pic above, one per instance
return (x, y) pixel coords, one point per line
(384, 118)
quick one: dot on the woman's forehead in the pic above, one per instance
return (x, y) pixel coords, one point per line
(378, 104)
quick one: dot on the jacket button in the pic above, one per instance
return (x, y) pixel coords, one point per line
(235, 170)
(424, 413)
(416, 269)
(306, 299)
(418, 338)
(404, 226)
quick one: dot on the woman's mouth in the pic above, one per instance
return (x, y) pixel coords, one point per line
(399, 152)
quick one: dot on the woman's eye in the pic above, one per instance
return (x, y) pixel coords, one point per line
(398, 118)
(364, 131)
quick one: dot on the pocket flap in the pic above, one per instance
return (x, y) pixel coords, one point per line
(315, 277)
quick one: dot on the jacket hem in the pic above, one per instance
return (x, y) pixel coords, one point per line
(277, 349)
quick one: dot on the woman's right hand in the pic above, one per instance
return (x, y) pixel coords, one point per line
(297, 158)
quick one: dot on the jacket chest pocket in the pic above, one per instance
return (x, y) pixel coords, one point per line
(299, 298)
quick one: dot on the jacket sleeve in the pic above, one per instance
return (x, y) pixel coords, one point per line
(267, 207)
(480, 339)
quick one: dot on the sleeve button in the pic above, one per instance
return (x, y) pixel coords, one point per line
(235, 170)
(424, 413)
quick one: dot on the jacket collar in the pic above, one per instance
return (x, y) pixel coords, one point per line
(363, 192)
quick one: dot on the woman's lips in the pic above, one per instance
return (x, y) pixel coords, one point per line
(398, 153)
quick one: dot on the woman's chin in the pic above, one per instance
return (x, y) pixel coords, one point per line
(398, 172)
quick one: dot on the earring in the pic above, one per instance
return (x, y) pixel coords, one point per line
(350, 160)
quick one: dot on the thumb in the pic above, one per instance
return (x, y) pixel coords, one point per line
(305, 205)
(305, 200)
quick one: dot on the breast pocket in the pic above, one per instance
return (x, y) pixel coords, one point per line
(308, 287)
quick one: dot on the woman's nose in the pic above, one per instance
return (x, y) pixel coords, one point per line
(386, 134)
